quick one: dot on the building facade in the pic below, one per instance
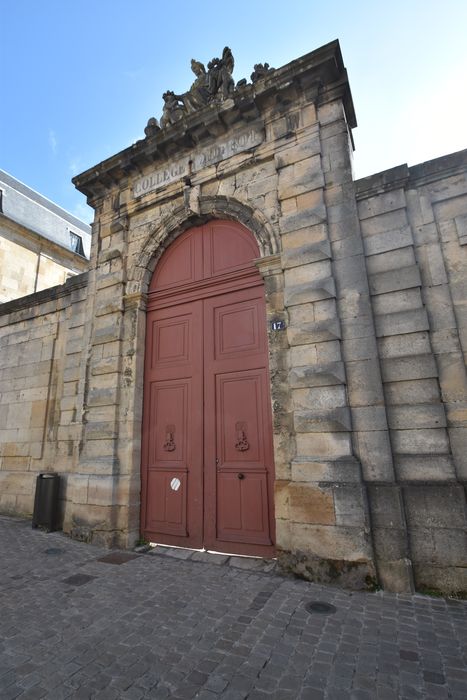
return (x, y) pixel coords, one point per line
(41, 244)
(265, 357)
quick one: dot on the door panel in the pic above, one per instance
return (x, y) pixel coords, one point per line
(237, 329)
(167, 511)
(239, 421)
(238, 436)
(172, 426)
(242, 507)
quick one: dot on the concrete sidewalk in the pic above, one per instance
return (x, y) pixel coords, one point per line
(74, 626)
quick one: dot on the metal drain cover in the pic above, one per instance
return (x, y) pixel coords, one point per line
(320, 608)
(118, 558)
(78, 579)
(54, 551)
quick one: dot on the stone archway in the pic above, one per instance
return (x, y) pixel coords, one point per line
(182, 218)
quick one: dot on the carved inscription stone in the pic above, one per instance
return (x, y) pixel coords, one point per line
(202, 158)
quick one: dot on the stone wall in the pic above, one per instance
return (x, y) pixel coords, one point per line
(413, 233)
(41, 379)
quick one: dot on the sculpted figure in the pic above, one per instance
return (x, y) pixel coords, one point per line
(152, 127)
(173, 111)
(260, 70)
(198, 95)
(208, 86)
(220, 74)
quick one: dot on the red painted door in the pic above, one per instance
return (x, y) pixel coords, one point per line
(207, 459)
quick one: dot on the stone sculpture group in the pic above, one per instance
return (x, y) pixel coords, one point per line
(215, 84)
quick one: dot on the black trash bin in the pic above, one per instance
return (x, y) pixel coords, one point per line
(46, 502)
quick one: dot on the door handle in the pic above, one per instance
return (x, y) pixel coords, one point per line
(240, 476)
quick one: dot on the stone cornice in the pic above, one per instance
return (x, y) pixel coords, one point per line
(405, 177)
(45, 295)
(320, 75)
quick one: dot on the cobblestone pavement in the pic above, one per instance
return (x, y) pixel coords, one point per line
(72, 626)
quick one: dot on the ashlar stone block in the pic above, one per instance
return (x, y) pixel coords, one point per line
(305, 149)
(307, 273)
(318, 421)
(308, 253)
(335, 471)
(364, 383)
(319, 397)
(304, 218)
(435, 506)
(373, 449)
(402, 322)
(394, 280)
(388, 240)
(311, 504)
(326, 446)
(310, 291)
(434, 441)
(317, 375)
(424, 467)
(400, 369)
(416, 416)
(350, 505)
(404, 345)
(391, 260)
(381, 204)
(415, 391)
(348, 543)
(300, 177)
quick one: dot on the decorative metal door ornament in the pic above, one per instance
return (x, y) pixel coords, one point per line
(242, 443)
(169, 444)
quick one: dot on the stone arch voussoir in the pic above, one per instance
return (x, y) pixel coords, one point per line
(183, 218)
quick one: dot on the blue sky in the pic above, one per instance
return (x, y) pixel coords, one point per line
(80, 78)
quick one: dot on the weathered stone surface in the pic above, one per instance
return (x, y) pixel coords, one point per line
(304, 218)
(381, 204)
(402, 322)
(413, 416)
(293, 257)
(373, 449)
(389, 240)
(416, 391)
(353, 575)
(315, 353)
(337, 471)
(404, 345)
(317, 375)
(311, 504)
(409, 367)
(318, 421)
(393, 280)
(310, 291)
(320, 540)
(300, 177)
(325, 446)
(314, 332)
(391, 260)
(417, 441)
(433, 506)
(424, 467)
(369, 418)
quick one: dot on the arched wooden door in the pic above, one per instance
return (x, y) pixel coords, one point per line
(207, 452)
